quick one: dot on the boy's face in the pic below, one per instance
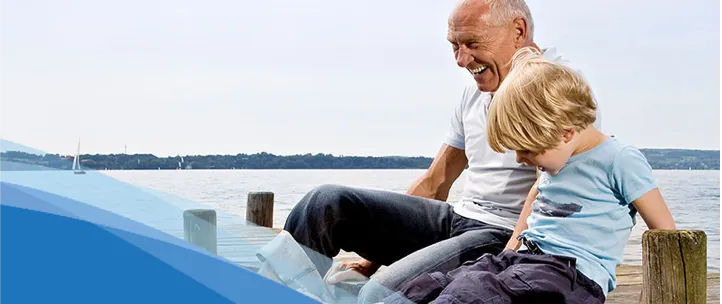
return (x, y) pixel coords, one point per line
(552, 160)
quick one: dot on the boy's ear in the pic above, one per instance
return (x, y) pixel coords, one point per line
(568, 135)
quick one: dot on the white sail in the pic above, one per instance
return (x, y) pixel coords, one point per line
(76, 161)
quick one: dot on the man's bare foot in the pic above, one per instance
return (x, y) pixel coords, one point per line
(363, 266)
(355, 270)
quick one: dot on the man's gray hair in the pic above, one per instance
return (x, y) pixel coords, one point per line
(504, 11)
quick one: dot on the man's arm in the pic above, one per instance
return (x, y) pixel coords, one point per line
(436, 182)
(521, 225)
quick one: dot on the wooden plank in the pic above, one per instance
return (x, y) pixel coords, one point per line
(625, 294)
(239, 243)
(628, 290)
(713, 288)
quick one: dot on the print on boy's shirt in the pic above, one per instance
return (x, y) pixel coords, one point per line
(546, 207)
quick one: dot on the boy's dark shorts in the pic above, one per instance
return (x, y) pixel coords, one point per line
(509, 277)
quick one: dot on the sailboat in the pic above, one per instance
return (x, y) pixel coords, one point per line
(180, 163)
(76, 161)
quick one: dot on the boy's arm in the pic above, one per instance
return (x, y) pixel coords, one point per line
(633, 179)
(521, 224)
(656, 215)
(654, 211)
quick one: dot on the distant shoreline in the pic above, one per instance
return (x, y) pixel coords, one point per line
(659, 159)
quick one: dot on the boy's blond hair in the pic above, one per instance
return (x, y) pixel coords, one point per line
(537, 103)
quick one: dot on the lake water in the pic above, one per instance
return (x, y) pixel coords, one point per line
(157, 198)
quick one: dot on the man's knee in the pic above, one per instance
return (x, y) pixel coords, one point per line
(316, 203)
(321, 198)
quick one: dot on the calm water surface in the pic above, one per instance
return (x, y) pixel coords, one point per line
(157, 198)
(693, 196)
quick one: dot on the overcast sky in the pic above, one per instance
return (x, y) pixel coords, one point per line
(373, 77)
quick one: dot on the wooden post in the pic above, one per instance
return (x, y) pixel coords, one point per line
(674, 264)
(259, 208)
(199, 228)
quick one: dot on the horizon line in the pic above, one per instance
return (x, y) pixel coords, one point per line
(301, 154)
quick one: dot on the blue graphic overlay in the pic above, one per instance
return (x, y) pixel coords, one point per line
(90, 238)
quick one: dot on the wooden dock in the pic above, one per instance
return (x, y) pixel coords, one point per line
(629, 286)
(674, 266)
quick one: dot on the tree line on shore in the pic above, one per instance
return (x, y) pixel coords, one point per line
(659, 159)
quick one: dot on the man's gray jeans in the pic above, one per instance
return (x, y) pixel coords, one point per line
(412, 235)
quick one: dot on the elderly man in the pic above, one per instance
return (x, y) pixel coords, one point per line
(419, 232)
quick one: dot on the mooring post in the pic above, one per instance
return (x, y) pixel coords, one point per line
(199, 228)
(674, 263)
(259, 208)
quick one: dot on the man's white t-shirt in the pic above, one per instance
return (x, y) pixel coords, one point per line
(496, 185)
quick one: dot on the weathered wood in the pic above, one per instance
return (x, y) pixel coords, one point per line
(199, 228)
(259, 208)
(629, 286)
(674, 263)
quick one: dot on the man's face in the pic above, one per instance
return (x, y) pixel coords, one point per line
(483, 50)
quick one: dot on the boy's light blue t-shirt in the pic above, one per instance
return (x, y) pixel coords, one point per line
(585, 211)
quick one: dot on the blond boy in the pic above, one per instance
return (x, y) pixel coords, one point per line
(590, 188)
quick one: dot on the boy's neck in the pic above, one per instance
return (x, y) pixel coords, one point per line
(588, 138)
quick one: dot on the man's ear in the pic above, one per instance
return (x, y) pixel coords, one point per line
(520, 32)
